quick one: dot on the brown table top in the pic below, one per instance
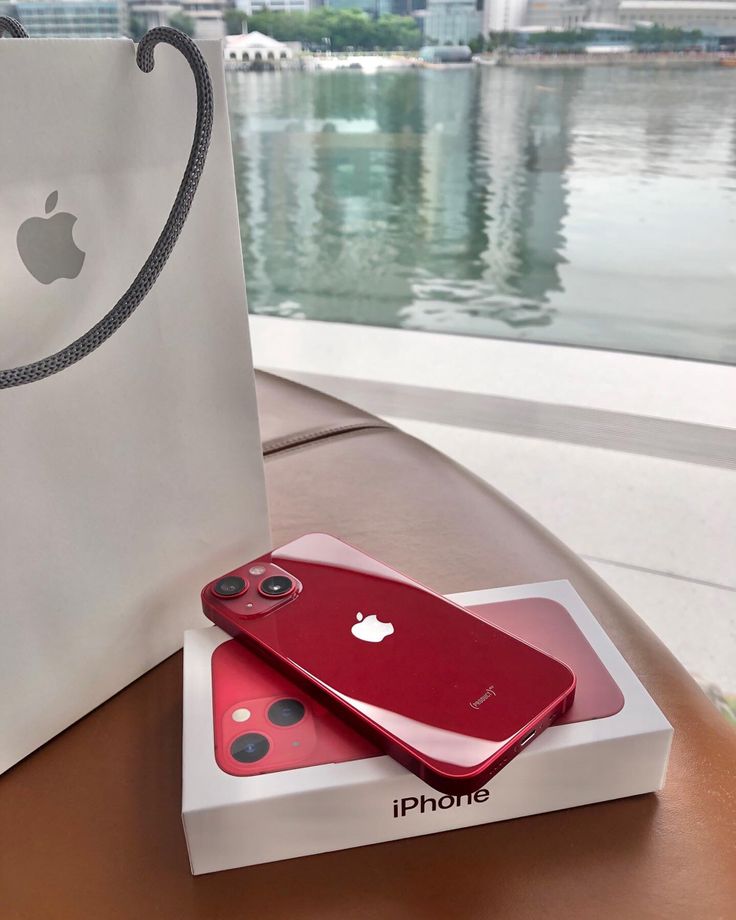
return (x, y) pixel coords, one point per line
(90, 824)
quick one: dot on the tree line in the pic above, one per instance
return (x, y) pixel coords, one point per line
(327, 29)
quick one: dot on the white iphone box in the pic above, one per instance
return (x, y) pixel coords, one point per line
(269, 775)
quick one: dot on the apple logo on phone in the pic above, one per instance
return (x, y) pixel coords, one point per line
(46, 245)
(371, 629)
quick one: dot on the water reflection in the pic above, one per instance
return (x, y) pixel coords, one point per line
(589, 206)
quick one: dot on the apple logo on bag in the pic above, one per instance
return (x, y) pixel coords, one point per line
(371, 629)
(46, 245)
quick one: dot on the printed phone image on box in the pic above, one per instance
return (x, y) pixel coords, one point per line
(263, 722)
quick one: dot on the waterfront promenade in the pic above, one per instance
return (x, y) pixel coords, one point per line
(607, 58)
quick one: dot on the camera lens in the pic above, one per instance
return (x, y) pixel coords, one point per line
(276, 586)
(250, 748)
(286, 712)
(231, 586)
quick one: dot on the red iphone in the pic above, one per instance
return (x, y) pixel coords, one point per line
(449, 696)
(264, 723)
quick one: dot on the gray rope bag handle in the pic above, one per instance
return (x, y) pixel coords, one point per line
(146, 277)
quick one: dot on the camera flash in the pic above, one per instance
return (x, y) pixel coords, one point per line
(241, 715)
(257, 570)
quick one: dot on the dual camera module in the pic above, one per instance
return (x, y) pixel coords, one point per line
(271, 586)
(253, 746)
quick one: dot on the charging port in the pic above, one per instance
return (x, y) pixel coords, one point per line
(527, 738)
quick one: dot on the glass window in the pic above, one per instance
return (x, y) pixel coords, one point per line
(582, 205)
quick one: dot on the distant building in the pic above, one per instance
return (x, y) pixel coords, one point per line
(208, 17)
(503, 15)
(209, 21)
(711, 17)
(206, 14)
(256, 49)
(602, 10)
(276, 6)
(556, 14)
(72, 18)
(153, 13)
(407, 7)
(449, 22)
(374, 8)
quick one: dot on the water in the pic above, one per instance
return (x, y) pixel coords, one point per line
(592, 207)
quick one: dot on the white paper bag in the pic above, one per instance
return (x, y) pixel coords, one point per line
(132, 477)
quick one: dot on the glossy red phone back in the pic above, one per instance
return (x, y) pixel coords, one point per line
(250, 740)
(547, 625)
(241, 680)
(448, 695)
